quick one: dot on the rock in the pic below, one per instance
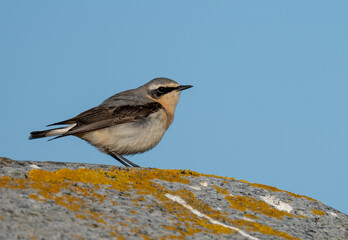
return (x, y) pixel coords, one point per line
(51, 200)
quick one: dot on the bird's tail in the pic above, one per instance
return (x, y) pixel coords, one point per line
(50, 132)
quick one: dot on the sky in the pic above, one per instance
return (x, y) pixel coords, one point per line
(269, 102)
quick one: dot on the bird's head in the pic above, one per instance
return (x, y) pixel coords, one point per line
(166, 92)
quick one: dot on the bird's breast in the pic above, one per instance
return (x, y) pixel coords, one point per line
(130, 138)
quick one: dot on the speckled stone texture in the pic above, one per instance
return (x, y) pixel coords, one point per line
(51, 200)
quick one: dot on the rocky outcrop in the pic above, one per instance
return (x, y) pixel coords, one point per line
(51, 200)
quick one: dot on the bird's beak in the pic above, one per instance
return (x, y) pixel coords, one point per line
(183, 87)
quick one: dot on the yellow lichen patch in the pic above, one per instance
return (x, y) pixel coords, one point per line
(36, 197)
(69, 202)
(9, 182)
(318, 212)
(1, 218)
(141, 199)
(243, 203)
(79, 237)
(117, 235)
(256, 227)
(135, 202)
(138, 177)
(132, 220)
(221, 190)
(123, 224)
(251, 216)
(54, 185)
(133, 212)
(80, 216)
(114, 233)
(188, 223)
(145, 237)
(134, 231)
(5, 180)
(96, 216)
(202, 207)
(175, 230)
(189, 173)
(244, 181)
(216, 215)
(49, 184)
(274, 189)
(83, 175)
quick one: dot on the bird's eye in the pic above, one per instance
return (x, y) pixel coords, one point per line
(161, 90)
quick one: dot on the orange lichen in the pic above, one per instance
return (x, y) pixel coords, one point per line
(244, 181)
(5, 179)
(207, 210)
(123, 224)
(145, 237)
(9, 181)
(49, 186)
(141, 198)
(1, 218)
(188, 223)
(274, 189)
(132, 220)
(80, 216)
(36, 197)
(242, 203)
(79, 237)
(251, 216)
(135, 202)
(221, 190)
(256, 227)
(318, 212)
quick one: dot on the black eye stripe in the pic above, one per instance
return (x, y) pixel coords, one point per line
(164, 90)
(160, 91)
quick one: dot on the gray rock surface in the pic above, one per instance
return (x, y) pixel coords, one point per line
(51, 200)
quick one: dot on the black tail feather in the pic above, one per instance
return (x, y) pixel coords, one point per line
(46, 133)
(38, 134)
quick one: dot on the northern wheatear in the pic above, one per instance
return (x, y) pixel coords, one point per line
(127, 123)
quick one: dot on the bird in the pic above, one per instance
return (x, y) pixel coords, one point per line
(127, 123)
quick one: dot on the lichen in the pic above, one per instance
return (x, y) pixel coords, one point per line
(318, 212)
(251, 216)
(243, 203)
(221, 190)
(257, 227)
(54, 185)
(274, 189)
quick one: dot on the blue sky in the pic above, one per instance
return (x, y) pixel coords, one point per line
(269, 103)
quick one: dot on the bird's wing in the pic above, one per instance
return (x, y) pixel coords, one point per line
(103, 116)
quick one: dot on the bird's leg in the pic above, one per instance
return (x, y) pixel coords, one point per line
(117, 158)
(121, 159)
(125, 159)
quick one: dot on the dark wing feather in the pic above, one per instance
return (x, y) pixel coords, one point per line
(101, 117)
(91, 115)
